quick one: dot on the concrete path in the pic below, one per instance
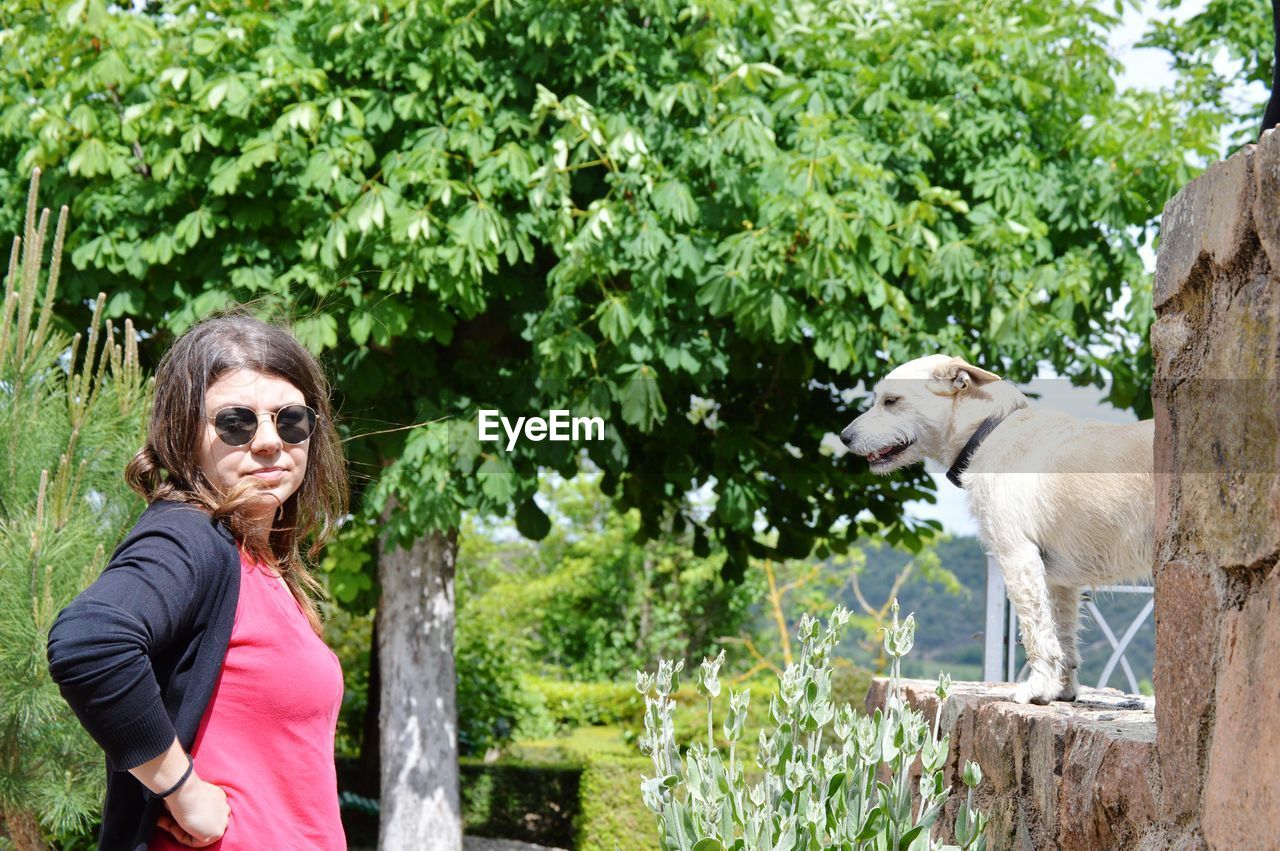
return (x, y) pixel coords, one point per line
(475, 843)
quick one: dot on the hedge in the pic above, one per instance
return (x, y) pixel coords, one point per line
(511, 800)
(571, 704)
(613, 815)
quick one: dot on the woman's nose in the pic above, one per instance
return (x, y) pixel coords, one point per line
(266, 439)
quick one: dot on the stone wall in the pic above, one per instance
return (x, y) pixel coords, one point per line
(1216, 344)
(1077, 776)
(1203, 769)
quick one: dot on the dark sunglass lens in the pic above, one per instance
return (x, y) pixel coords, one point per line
(295, 423)
(236, 426)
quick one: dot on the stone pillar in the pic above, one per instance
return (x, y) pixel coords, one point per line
(1216, 346)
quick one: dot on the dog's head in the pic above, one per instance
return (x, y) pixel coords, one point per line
(913, 412)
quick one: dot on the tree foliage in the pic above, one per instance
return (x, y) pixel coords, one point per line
(71, 415)
(590, 601)
(1240, 29)
(698, 221)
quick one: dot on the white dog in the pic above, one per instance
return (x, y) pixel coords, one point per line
(1061, 502)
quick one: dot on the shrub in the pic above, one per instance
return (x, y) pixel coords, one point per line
(513, 800)
(849, 684)
(71, 416)
(509, 799)
(491, 703)
(577, 704)
(854, 795)
(612, 817)
(348, 635)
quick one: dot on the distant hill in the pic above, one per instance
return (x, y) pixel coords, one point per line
(950, 628)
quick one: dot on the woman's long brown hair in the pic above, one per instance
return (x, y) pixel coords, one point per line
(168, 466)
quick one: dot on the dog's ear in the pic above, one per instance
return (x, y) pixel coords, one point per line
(956, 375)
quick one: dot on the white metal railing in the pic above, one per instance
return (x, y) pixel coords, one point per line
(1000, 657)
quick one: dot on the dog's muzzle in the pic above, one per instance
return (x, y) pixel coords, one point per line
(883, 455)
(886, 454)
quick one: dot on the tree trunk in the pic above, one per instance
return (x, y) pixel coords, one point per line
(23, 830)
(646, 607)
(420, 806)
(369, 771)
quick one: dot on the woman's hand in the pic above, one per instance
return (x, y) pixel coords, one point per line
(198, 813)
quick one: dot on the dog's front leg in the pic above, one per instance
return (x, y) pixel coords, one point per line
(1066, 618)
(1023, 571)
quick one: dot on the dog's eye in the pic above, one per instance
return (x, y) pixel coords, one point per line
(890, 401)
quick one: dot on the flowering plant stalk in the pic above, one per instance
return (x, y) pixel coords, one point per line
(827, 777)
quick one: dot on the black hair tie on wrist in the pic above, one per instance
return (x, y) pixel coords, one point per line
(191, 764)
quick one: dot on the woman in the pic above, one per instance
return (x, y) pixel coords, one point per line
(195, 659)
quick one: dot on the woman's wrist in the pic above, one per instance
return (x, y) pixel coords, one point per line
(187, 796)
(162, 774)
(186, 775)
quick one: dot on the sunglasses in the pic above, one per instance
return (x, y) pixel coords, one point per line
(237, 425)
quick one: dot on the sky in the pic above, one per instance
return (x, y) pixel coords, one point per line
(1144, 69)
(1147, 68)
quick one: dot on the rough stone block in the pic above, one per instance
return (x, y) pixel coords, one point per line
(1226, 436)
(1242, 789)
(1216, 347)
(1210, 219)
(1068, 775)
(1122, 801)
(1103, 806)
(1266, 196)
(1186, 612)
(1168, 504)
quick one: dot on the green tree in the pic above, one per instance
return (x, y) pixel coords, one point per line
(700, 222)
(592, 600)
(1241, 28)
(70, 418)
(799, 589)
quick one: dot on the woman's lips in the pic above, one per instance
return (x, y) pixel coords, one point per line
(273, 474)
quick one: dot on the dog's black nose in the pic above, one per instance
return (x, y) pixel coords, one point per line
(847, 436)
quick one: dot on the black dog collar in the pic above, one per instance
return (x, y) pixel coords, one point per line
(962, 460)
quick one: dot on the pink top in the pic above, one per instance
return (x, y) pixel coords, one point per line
(267, 734)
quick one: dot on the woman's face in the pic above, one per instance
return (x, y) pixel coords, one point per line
(278, 466)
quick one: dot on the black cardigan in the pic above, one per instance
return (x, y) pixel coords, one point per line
(138, 653)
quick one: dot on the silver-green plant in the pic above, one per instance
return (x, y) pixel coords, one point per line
(825, 777)
(72, 413)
